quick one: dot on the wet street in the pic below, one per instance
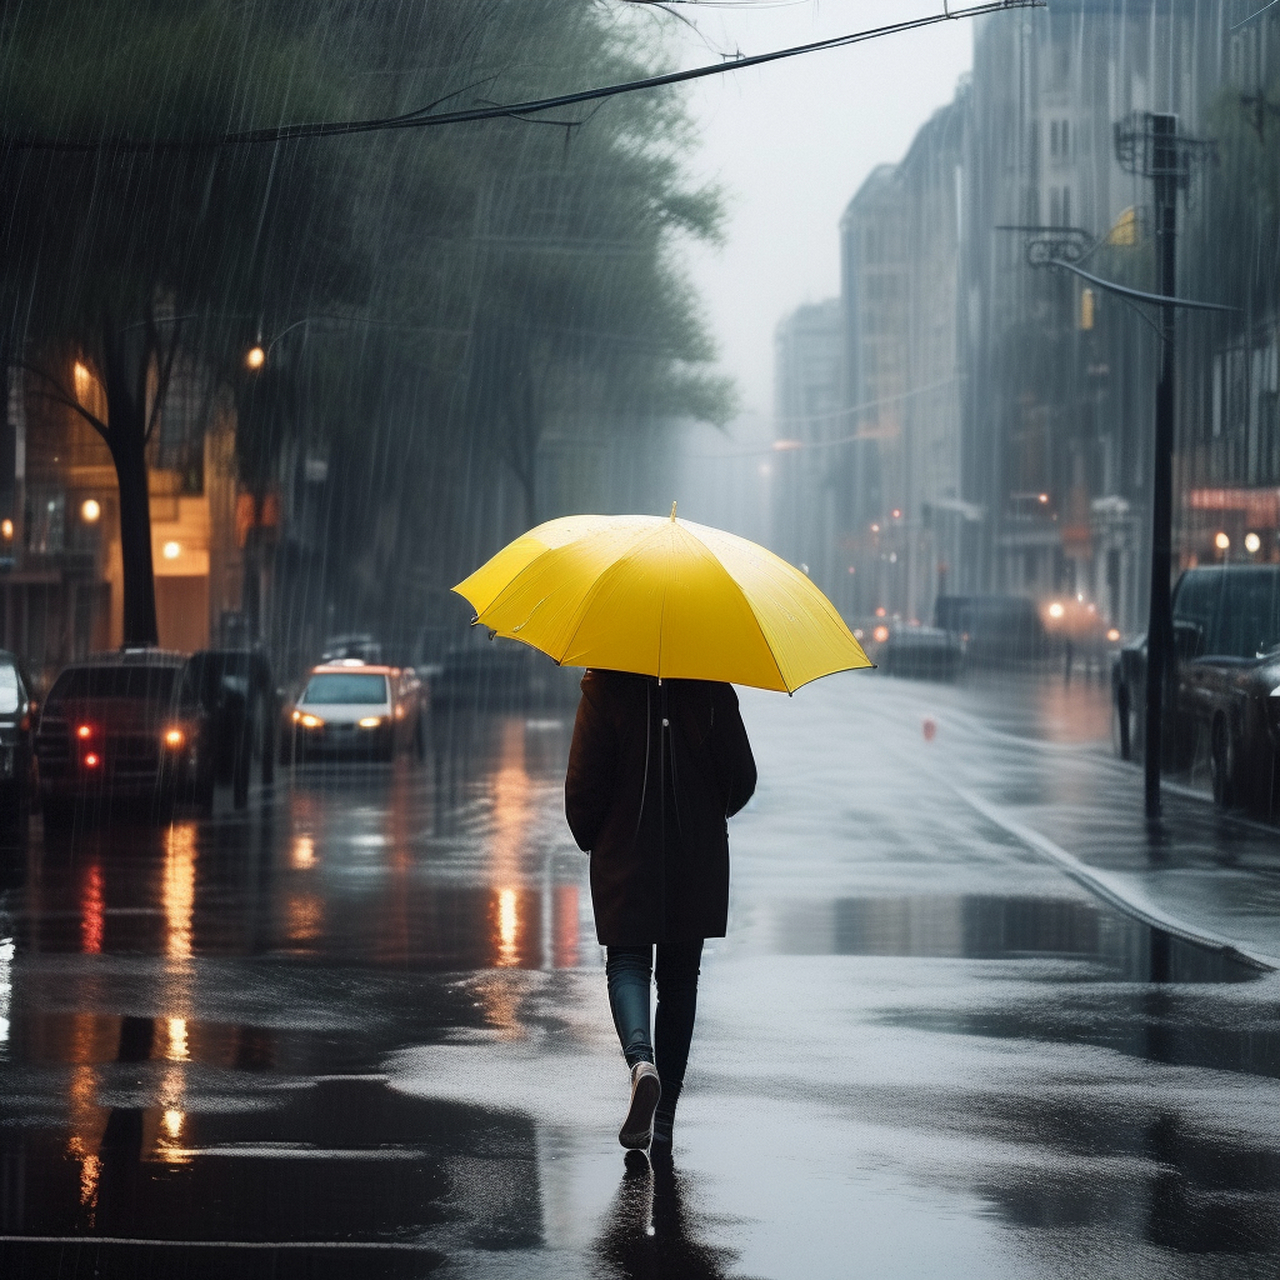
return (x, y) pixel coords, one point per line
(361, 1030)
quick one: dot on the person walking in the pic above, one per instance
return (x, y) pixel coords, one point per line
(655, 770)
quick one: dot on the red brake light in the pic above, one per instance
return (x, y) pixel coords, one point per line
(91, 761)
(84, 731)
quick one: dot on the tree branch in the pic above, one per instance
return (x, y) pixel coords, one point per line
(164, 371)
(60, 395)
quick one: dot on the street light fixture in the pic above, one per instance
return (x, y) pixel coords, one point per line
(171, 550)
(255, 357)
(1251, 543)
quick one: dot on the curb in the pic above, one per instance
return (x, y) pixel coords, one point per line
(1112, 891)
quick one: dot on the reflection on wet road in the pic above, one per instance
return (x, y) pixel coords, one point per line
(361, 1031)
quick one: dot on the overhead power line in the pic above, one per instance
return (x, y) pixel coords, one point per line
(429, 117)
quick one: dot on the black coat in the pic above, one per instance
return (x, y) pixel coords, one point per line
(654, 772)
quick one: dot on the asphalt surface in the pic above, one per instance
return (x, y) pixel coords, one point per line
(361, 1030)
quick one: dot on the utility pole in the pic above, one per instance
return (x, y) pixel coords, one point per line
(1150, 144)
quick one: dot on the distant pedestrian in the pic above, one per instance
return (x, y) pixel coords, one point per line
(655, 770)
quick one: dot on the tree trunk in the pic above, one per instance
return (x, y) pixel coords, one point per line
(128, 452)
(127, 440)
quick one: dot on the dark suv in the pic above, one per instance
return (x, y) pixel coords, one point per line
(124, 726)
(1222, 698)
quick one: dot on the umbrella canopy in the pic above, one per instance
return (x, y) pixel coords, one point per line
(662, 597)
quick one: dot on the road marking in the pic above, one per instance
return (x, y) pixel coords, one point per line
(1110, 888)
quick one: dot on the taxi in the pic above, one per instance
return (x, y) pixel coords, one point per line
(351, 709)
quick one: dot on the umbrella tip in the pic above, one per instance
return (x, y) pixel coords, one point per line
(673, 513)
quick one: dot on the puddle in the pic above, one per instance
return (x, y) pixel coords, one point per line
(988, 927)
(342, 1163)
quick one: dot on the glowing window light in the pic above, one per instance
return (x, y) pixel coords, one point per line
(90, 510)
(171, 550)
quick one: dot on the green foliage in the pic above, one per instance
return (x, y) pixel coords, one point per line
(434, 297)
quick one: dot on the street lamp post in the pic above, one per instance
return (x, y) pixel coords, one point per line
(1149, 144)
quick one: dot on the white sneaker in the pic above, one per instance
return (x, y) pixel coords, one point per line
(637, 1128)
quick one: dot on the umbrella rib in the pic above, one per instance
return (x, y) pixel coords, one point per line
(737, 586)
(589, 597)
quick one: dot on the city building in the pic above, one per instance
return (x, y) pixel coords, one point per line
(809, 423)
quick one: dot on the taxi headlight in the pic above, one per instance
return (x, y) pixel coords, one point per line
(311, 722)
(370, 722)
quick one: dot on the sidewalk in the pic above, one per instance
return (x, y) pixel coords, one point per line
(1033, 759)
(1209, 877)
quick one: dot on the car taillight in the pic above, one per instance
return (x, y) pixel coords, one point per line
(91, 760)
(174, 738)
(84, 731)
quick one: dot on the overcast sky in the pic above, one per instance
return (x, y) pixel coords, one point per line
(791, 142)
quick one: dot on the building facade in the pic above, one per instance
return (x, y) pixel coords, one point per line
(809, 424)
(999, 415)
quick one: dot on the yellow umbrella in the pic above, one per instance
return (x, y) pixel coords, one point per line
(662, 597)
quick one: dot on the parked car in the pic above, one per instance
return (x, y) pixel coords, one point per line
(237, 690)
(993, 630)
(125, 726)
(922, 653)
(1222, 696)
(354, 709)
(501, 675)
(17, 710)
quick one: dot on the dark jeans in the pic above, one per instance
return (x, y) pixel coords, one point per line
(629, 970)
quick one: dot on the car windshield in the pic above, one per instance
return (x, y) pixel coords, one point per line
(346, 687)
(1237, 610)
(149, 684)
(10, 694)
